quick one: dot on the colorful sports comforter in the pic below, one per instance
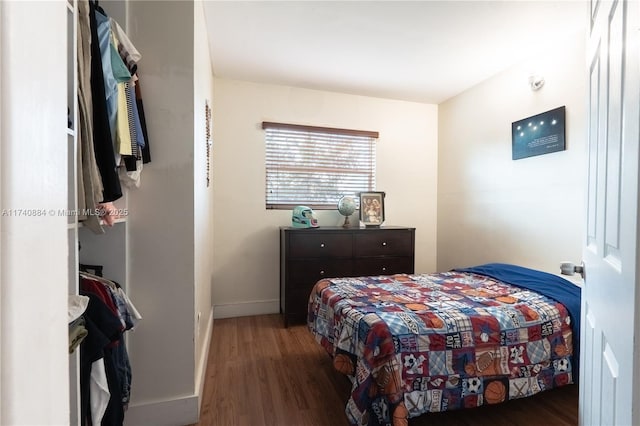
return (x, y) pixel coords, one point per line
(434, 342)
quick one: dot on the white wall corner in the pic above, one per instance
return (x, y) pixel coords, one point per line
(179, 411)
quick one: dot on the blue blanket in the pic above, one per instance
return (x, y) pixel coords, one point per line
(549, 285)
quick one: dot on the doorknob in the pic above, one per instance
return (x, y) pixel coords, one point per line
(568, 268)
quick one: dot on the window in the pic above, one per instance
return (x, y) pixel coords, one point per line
(316, 166)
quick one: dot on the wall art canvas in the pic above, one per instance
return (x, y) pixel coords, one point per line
(539, 134)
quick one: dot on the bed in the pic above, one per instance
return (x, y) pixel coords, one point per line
(412, 344)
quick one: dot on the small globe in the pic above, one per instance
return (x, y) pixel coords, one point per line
(346, 206)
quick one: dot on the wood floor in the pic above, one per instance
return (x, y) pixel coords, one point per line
(260, 373)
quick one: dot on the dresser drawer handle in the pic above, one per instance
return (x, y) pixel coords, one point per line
(321, 272)
(384, 269)
(321, 245)
(384, 244)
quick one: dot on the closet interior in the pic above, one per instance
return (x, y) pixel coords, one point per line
(107, 147)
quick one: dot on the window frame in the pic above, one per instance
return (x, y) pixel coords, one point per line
(330, 131)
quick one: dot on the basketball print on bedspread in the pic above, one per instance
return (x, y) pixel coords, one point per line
(495, 391)
(344, 364)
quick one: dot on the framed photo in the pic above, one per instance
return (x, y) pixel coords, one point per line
(538, 134)
(372, 208)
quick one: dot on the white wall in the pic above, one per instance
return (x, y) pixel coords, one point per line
(161, 219)
(34, 358)
(494, 209)
(203, 196)
(246, 245)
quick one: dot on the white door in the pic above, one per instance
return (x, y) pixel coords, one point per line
(608, 367)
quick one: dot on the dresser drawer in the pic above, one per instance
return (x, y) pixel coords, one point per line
(381, 243)
(383, 266)
(304, 272)
(319, 244)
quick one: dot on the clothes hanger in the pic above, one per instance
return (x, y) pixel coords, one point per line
(97, 6)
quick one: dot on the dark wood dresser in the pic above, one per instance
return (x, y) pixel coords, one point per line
(308, 255)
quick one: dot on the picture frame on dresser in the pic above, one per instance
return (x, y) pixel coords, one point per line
(372, 208)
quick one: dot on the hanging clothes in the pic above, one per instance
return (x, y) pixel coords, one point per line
(130, 176)
(102, 138)
(133, 162)
(89, 180)
(126, 49)
(133, 131)
(114, 72)
(113, 141)
(146, 150)
(110, 314)
(97, 370)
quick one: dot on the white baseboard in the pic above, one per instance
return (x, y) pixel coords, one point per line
(175, 412)
(243, 309)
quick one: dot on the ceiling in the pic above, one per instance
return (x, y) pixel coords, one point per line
(422, 51)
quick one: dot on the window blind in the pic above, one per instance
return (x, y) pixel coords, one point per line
(316, 166)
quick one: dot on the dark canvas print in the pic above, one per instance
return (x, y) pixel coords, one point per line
(538, 134)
